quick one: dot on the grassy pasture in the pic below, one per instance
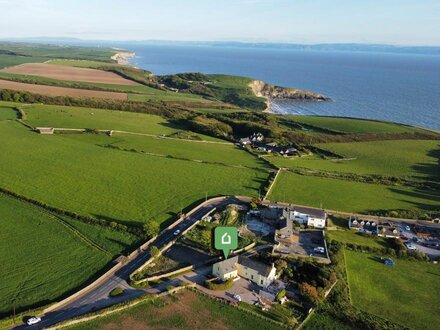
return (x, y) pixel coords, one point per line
(415, 159)
(125, 186)
(7, 113)
(320, 321)
(227, 154)
(350, 125)
(80, 63)
(349, 196)
(184, 310)
(406, 293)
(11, 60)
(351, 236)
(41, 258)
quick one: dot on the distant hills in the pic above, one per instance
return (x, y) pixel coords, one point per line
(344, 47)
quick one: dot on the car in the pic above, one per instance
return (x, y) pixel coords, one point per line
(177, 232)
(389, 262)
(237, 297)
(411, 247)
(319, 249)
(33, 320)
(408, 228)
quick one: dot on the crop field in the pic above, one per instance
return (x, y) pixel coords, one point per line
(348, 125)
(68, 73)
(60, 91)
(184, 310)
(349, 196)
(42, 259)
(79, 63)
(11, 60)
(112, 184)
(351, 236)
(376, 288)
(414, 159)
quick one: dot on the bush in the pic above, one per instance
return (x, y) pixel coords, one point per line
(219, 286)
(281, 294)
(116, 292)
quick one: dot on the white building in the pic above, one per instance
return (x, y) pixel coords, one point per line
(307, 216)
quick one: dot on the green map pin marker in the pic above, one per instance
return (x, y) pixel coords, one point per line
(226, 239)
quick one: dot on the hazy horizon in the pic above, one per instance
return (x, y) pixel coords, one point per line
(397, 23)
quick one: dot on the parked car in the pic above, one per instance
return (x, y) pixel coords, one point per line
(411, 247)
(177, 232)
(237, 297)
(319, 249)
(408, 228)
(389, 262)
(33, 320)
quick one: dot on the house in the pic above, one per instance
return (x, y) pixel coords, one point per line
(388, 230)
(363, 226)
(259, 273)
(290, 152)
(245, 141)
(45, 130)
(311, 217)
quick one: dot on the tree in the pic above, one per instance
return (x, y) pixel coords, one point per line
(154, 251)
(309, 293)
(281, 294)
(151, 229)
(280, 264)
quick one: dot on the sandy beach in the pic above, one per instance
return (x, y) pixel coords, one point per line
(122, 57)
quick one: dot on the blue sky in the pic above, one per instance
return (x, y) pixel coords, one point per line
(415, 22)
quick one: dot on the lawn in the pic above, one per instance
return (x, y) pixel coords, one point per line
(349, 125)
(112, 184)
(415, 159)
(351, 236)
(184, 310)
(321, 321)
(406, 293)
(42, 259)
(11, 60)
(350, 196)
(7, 113)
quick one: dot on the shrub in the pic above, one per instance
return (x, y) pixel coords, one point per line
(281, 294)
(219, 286)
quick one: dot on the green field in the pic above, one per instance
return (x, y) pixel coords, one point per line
(79, 63)
(113, 184)
(349, 125)
(406, 293)
(321, 321)
(415, 159)
(351, 236)
(349, 196)
(11, 60)
(42, 258)
(7, 113)
(184, 310)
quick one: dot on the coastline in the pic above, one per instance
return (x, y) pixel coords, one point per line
(122, 57)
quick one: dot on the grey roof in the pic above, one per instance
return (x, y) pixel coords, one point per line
(261, 268)
(317, 213)
(228, 265)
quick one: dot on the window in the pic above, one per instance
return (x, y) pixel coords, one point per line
(261, 282)
(252, 277)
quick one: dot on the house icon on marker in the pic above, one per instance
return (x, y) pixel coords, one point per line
(226, 239)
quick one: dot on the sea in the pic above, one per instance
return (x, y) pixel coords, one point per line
(402, 88)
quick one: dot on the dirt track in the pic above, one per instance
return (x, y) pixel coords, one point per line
(61, 91)
(68, 73)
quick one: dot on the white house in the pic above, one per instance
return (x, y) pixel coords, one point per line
(308, 216)
(259, 273)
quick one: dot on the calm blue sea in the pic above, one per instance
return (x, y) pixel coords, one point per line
(395, 87)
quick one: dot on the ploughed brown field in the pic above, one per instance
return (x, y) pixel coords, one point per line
(61, 91)
(68, 73)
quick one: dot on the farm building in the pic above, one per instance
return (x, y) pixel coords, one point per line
(363, 226)
(45, 130)
(259, 273)
(388, 230)
(304, 215)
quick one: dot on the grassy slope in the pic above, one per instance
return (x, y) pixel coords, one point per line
(363, 197)
(11, 60)
(7, 113)
(320, 321)
(41, 258)
(185, 310)
(111, 183)
(349, 125)
(351, 236)
(416, 159)
(406, 293)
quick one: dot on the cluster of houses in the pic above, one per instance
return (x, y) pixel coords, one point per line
(256, 141)
(382, 229)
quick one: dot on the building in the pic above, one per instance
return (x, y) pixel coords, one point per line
(245, 141)
(45, 130)
(388, 230)
(363, 226)
(259, 273)
(311, 217)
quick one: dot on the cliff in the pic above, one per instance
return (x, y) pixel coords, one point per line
(271, 92)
